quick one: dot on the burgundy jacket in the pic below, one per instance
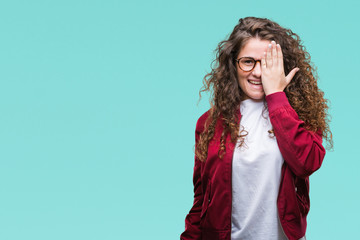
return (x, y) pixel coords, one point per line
(303, 153)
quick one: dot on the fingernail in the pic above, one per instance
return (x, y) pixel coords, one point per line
(273, 42)
(269, 45)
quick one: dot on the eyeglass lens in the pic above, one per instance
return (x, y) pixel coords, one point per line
(246, 64)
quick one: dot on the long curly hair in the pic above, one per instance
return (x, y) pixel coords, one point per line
(226, 95)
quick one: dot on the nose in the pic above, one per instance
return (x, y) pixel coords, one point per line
(256, 72)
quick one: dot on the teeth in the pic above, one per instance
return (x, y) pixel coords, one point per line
(256, 83)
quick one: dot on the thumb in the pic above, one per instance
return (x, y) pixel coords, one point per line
(292, 74)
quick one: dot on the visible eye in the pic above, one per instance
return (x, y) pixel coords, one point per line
(247, 61)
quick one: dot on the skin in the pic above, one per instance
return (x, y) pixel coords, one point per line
(270, 73)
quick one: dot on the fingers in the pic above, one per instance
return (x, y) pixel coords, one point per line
(291, 74)
(263, 61)
(280, 55)
(274, 53)
(269, 60)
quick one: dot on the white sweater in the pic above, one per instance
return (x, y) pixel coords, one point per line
(256, 172)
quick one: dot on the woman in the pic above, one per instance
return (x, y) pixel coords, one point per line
(260, 141)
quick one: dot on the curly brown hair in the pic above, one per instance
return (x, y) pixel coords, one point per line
(302, 92)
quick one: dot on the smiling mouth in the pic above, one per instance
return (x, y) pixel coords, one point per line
(255, 82)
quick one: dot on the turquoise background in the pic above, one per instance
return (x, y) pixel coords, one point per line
(98, 111)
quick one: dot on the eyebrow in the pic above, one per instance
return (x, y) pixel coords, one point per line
(250, 57)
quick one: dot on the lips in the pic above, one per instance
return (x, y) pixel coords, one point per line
(255, 82)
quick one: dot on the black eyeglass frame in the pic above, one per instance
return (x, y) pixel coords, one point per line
(238, 60)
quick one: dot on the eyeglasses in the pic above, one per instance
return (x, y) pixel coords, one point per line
(247, 63)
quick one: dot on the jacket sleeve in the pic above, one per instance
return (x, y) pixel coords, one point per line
(192, 220)
(302, 149)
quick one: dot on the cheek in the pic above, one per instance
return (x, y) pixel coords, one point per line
(242, 77)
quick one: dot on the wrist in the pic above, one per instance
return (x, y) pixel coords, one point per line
(272, 91)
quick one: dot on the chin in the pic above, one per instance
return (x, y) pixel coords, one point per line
(257, 96)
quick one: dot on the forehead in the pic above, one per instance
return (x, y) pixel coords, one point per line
(254, 47)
